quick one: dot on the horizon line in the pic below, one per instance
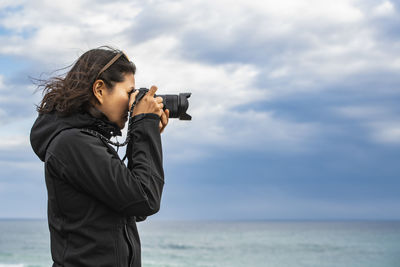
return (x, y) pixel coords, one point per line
(237, 220)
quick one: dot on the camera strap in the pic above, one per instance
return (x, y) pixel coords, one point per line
(130, 124)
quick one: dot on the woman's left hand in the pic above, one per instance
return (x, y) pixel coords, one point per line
(164, 120)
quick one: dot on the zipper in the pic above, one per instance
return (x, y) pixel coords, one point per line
(130, 245)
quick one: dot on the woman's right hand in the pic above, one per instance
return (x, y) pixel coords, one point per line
(148, 103)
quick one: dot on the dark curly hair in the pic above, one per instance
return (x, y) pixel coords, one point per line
(73, 93)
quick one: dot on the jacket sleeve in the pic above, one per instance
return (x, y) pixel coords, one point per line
(96, 169)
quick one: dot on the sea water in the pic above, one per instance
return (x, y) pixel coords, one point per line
(25, 243)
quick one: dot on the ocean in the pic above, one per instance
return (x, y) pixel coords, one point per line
(25, 243)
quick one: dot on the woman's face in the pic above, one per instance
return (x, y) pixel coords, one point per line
(115, 104)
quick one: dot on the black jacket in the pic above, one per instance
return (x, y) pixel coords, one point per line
(94, 199)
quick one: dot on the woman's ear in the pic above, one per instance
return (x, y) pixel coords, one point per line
(99, 88)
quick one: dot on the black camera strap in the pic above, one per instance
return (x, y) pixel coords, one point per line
(130, 124)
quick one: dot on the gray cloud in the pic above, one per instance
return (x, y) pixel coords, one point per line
(248, 53)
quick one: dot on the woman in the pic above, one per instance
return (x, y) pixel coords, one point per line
(94, 199)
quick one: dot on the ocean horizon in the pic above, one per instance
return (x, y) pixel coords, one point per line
(258, 243)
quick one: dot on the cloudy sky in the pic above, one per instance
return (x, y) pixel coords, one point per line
(295, 104)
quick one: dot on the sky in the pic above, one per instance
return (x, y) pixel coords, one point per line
(294, 103)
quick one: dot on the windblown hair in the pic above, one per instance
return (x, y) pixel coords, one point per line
(73, 93)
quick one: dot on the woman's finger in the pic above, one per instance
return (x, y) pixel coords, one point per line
(167, 116)
(159, 99)
(152, 91)
(164, 120)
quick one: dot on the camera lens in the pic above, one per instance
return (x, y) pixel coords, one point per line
(176, 104)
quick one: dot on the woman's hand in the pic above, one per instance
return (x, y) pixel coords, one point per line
(150, 104)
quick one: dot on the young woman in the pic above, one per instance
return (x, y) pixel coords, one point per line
(94, 199)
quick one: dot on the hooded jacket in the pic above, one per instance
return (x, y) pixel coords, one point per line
(94, 199)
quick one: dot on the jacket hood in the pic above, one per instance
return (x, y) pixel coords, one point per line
(49, 125)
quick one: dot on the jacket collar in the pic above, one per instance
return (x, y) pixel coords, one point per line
(102, 124)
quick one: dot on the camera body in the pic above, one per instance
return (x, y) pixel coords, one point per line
(176, 104)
